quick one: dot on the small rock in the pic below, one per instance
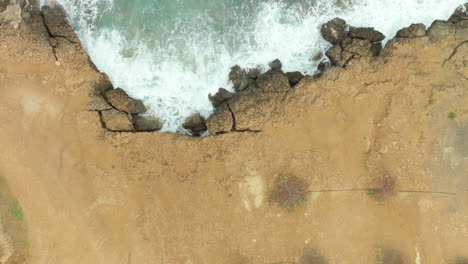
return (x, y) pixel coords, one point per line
(461, 13)
(318, 56)
(147, 123)
(368, 33)
(440, 30)
(323, 66)
(294, 77)
(413, 31)
(120, 100)
(334, 54)
(117, 121)
(276, 65)
(195, 123)
(221, 96)
(334, 31)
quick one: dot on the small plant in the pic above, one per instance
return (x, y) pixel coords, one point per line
(384, 186)
(15, 211)
(452, 115)
(289, 192)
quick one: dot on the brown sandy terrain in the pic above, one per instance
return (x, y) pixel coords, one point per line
(93, 196)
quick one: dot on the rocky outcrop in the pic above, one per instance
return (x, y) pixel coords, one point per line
(119, 99)
(413, 31)
(461, 13)
(242, 78)
(196, 124)
(10, 12)
(294, 77)
(358, 42)
(57, 24)
(220, 97)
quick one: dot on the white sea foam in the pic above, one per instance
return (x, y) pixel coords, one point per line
(174, 75)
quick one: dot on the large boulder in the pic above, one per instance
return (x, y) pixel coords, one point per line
(440, 30)
(368, 33)
(196, 124)
(413, 31)
(461, 13)
(57, 24)
(120, 100)
(221, 96)
(117, 121)
(97, 103)
(334, 31)
(147, 123)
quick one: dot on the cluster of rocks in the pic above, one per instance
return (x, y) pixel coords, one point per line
(118, 111)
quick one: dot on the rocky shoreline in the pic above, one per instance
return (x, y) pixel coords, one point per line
(257, 95)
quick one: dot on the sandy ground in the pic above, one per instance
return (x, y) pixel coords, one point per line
(93, 196)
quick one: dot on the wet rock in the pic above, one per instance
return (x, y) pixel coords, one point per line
(253, 73)
(240, 78)
(56, 20)
(334, 31)
(461, 13)
(116, 121)
(119, 99)
(318, 56)
(147, 123)
(221, 96)
(195, 123)
(221, 120)
(368, 33)
(413, 31)
(440, 30)
(294, 77)
(323, 66)
(275, 65)
(4, 4)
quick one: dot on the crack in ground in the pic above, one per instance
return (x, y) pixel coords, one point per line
(454, 52)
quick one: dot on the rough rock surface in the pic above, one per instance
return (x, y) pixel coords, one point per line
(4, 4)
(10, 14)
(221, 96)
(368, 33)
(294, 77)
(147, 123)
(413, 31)
(117, 121)
(240, 78)
(221, 120)
(334, 31)
(440, 30)
(195, 123)
(57, 25)
(276, 65)
(119, 99)
(460, 14)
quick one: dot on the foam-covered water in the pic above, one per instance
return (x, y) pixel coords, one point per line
(172, 53)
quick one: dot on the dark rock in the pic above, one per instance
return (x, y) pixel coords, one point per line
(276, 65)
(440, 30)
(294, 77)
(253, 73)
(240, 78)
(413, 31)
(4, 4)
(117, 121)
(359, 47)
(147, 123)
(334, 54)
(103, 84)
(323, 66)
(97, 103)
(368, 33)
(273, 82)
(318, 56)
(57, 23)
(461, 13)
(221, 120)
(334, 31)
(119, 99)
(221, 96)
(195, 123)
(376, 48)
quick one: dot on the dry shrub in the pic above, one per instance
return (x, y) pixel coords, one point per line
(289, 192)
(382, 187)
